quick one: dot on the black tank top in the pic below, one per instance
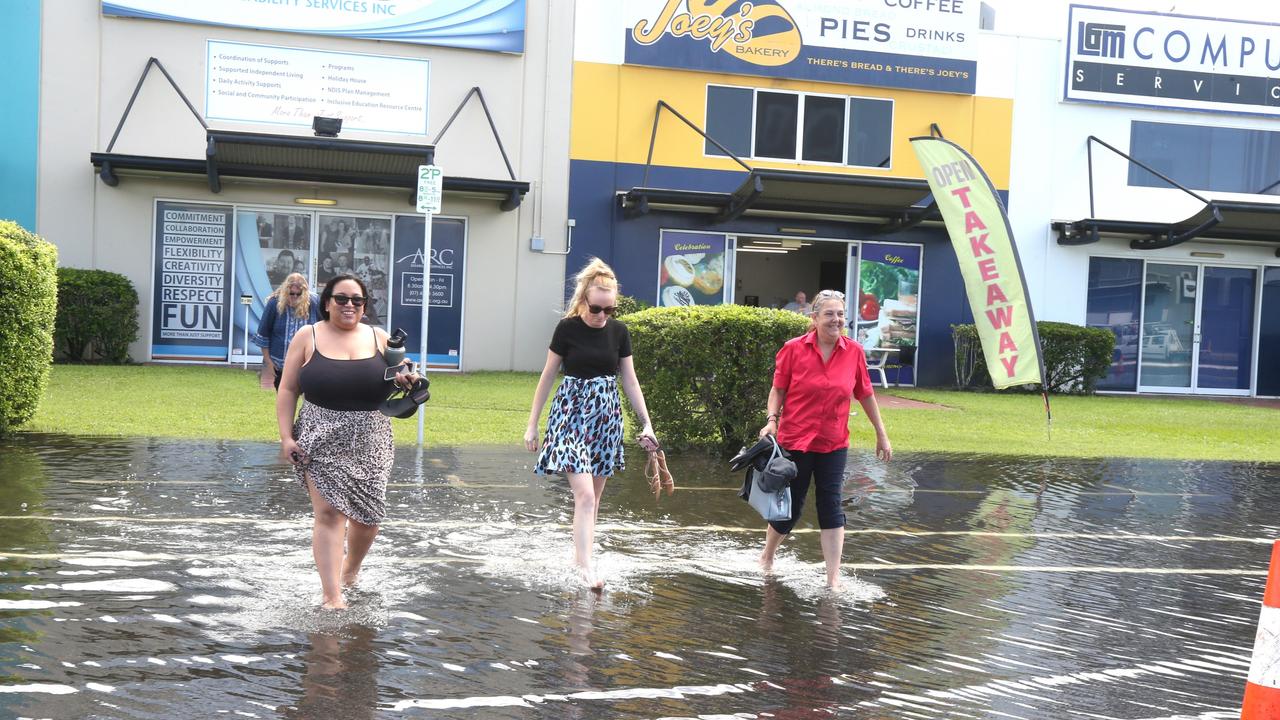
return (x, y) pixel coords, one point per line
(345, 384)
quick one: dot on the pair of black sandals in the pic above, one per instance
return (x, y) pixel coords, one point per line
(404, 403)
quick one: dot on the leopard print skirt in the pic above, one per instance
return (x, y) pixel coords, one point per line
(584, 429)
(349, 454)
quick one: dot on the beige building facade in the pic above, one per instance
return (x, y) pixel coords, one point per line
(197, 216)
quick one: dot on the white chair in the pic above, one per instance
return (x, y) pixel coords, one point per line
(876, 358)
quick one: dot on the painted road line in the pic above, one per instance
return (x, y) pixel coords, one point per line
(640, 528)
(134, 557)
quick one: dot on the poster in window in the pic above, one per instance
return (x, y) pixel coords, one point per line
(191, 275)
(448, 266)
(270, 246)
(887, 307)
(690, 269)
(357, 246)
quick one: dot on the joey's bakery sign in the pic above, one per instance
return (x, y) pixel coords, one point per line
(916, 44)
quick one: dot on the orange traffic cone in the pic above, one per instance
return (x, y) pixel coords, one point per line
(1262, 692)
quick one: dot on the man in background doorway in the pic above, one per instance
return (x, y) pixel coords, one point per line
(799, 305)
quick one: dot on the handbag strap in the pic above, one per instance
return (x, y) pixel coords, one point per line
(777, 449)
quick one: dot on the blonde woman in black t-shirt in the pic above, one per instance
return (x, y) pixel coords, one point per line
(584, 428)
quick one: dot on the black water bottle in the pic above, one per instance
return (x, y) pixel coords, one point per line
(395, 347)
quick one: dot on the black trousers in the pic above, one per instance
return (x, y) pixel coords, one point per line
(827, 473)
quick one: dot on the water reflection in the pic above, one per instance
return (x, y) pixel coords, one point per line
(339, 676)
(145, 578)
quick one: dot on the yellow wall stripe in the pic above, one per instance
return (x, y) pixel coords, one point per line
(613, 109)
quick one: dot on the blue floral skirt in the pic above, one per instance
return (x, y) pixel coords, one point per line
(584, 429)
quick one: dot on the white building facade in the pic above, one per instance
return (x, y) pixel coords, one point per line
(1184, 267)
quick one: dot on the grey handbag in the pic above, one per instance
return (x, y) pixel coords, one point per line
(770, 489)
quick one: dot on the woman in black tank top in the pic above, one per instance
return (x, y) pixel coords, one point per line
(341, 446)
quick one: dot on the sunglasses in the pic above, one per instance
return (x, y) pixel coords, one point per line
(597, 309)
(356, 300)
(295, 293)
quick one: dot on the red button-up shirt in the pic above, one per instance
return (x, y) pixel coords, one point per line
(815, 413)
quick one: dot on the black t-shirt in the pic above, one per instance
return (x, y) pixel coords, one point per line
(590, 352)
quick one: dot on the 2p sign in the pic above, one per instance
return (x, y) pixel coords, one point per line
(430, 188)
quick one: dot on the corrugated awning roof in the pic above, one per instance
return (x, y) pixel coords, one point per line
(1217, 220)
(898, 202)
(308, 159)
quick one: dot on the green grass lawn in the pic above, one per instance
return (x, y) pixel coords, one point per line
(491, 408)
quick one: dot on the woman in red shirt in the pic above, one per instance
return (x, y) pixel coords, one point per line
(814, 378)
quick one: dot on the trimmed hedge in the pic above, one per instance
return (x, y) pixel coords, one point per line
(97, 316)
(1075, 357)
(706, 370)
(628, 305)
(28, 303)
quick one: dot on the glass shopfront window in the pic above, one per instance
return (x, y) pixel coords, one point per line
(1115, 303)
(1269, 334)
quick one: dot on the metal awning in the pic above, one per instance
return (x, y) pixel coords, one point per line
(1217, 220)
(895, 202)
(298, 158)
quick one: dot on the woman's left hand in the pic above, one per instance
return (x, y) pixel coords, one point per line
(407, 377)
(884, 450)
(648, 441)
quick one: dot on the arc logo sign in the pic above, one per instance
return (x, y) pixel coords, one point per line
(915, 44)
(1172, 61)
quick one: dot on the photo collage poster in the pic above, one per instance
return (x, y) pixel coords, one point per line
(359, 246)
(273, 244)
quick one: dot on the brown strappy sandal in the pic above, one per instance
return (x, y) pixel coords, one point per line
(653, 473)
(668, 483)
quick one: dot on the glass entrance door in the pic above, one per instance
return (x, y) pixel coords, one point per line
(1197, 329)
(1224, 358)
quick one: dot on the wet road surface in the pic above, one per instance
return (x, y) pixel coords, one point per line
(161, 579)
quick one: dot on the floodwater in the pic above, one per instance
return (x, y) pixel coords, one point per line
(162, 579)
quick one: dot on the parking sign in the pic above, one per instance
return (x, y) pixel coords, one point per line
(430, 188)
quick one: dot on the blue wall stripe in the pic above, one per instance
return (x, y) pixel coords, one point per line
(20, 121)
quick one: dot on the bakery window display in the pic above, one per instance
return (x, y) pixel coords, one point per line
(692, 279)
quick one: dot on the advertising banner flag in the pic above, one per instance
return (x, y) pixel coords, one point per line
(980, 233)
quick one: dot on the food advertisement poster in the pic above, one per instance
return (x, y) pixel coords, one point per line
(888, 302)
(690, 269)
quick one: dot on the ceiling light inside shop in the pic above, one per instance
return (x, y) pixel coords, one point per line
(797, 231)
(314, 201)
(776, 251)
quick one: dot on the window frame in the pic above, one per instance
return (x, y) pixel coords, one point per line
(800, 112)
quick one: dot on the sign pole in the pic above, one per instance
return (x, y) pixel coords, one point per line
(426, 303)
(430, 194)
(246, 300)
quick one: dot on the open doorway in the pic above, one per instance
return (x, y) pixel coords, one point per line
(770, 271)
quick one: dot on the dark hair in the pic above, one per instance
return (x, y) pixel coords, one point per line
(327, 293)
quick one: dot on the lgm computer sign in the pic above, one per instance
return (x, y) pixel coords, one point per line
(1172, 61)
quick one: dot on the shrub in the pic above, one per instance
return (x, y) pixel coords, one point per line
(1075, 357)
(97, 315)
(28, 302)
(706, 370)
(628, 305)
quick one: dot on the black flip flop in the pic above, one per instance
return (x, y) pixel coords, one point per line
(405, 403)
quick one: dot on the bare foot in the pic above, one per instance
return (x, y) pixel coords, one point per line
(351, 580)
(834, 585)
(339, 604)
(766, 564)
(590, 581)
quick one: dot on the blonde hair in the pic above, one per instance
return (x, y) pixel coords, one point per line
(816, 306)
(594, 274)
(303, 308)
